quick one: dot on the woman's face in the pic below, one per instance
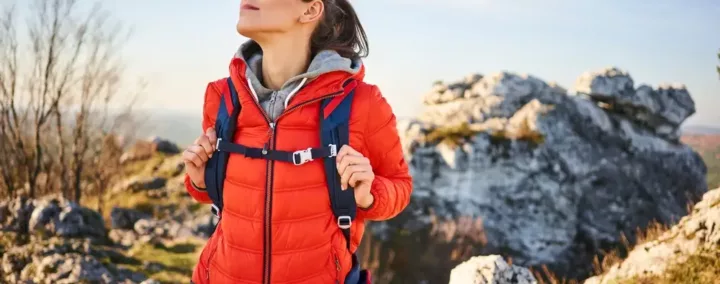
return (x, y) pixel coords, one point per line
(258, 17)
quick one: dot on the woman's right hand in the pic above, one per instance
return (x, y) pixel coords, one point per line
(197, 155)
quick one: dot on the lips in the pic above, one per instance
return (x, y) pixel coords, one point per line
(249, 7)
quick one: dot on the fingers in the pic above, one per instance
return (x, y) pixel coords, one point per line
(207, 146)
(200, 156)
(192, 158)
(351, 160)
(357, 163)
(345, 151)
(211, 135)
(354, 174)
(358, 177)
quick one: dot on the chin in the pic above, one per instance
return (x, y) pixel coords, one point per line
(245, 30)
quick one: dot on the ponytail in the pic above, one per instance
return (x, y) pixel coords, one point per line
(340, 30)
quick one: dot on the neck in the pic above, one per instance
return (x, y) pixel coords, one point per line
(283, 58)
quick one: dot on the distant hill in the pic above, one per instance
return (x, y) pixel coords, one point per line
(701, 129)
(179, 127)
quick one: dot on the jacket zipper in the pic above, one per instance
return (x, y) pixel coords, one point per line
(268, 188)
(267, 248)
(210, 258)
(337, 267)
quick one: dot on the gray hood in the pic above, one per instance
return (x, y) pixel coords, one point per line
(274, 102)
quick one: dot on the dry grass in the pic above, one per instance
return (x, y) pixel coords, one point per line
(702, 267)
(452, 135)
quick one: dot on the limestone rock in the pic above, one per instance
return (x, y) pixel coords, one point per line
(63, 218)
(697, 231)
(662, 109)
(555, 179)
(490, 270)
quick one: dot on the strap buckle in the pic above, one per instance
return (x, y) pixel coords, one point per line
(215, 210)
(344, 222)
(302, 156)
(217, 144)
(333, 150)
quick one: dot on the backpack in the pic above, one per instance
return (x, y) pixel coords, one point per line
(334, 133)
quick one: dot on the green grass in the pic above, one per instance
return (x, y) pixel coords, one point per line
(178, 259)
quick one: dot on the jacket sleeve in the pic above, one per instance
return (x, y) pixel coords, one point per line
(392, 186)
(211, 102)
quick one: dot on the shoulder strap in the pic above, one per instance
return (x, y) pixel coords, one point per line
(334, 130)
(225, 124)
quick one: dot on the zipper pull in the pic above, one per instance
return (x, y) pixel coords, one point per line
(271, 133)
(337, 263)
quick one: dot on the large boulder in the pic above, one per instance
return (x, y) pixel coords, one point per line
(490, 269)
(63, 218)
(547, 177)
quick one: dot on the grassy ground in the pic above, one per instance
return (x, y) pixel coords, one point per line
(178, 260)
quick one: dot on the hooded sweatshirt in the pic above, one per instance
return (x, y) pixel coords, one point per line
(274, 102)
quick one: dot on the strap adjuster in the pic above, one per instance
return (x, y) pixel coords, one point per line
(217, 144)
(344, 222)
(333, 150)
(215, 210)
(302, 156)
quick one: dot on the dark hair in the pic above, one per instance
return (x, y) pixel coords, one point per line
(340, 30)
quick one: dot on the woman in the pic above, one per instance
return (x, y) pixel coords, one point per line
(277, 225)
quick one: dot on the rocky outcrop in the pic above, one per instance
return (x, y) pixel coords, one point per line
(52, 217)
(144, 149)
(490, 270)
(694, 233)
(140, 183)
(156, 231)
(122, 218)
(552, 177)
(59, 260)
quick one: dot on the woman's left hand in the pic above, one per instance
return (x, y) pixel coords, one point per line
(355, 170)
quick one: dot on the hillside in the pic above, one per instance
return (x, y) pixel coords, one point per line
(150, 230)
(708, 146)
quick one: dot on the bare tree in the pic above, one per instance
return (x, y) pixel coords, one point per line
(74, 76)
(12, 144)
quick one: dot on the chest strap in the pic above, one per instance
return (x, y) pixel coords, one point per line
(297, 157)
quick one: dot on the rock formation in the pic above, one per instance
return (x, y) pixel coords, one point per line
(547, 177)
(144, 149)
(694, 233)
(50, 216)
(490, 270)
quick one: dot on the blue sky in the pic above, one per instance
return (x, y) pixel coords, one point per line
(180, 45)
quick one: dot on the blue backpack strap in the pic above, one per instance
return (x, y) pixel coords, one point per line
(334, 130)
(215, 169)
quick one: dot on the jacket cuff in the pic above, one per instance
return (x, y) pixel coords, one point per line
(197, 193)
(379, 190)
